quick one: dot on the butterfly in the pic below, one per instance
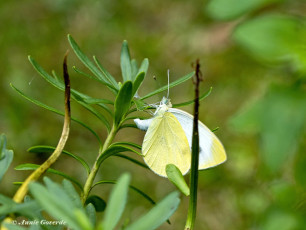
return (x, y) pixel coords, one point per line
(168, 141)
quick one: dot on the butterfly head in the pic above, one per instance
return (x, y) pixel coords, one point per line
(164, 105)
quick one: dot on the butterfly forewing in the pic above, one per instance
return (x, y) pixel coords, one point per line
(165, 143)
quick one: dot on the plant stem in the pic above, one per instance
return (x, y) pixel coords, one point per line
(23, 189)
(192, 209)
(95, 167)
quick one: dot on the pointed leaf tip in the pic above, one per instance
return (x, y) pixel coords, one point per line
(176, 177)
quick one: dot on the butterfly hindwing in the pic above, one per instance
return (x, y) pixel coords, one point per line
(165, 143)
(212, 152)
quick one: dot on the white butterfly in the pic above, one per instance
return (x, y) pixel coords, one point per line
(168, 141)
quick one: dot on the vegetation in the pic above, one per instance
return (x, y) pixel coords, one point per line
(252, 54)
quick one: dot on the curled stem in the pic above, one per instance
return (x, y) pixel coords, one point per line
(22, 191)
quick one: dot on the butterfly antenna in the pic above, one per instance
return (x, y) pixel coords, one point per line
(168, 83)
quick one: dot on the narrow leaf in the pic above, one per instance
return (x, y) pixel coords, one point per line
(91, 213)
(125, 62)
(144, 66)
(46, 76)
(50, 149)
(50, 170)
(8, 206)
(97, 101)
(204, 95)
(134, 67)
(176, 177)
(42, 105)
(138, 80)
(81, 98)
(115, 149)
(116, 203)
(128, 126)
(123, 101)
(157, 215)
(6, 156)
(14, 227)
(70, 190)
(128, 144)
(132, 160)
(146, 196)
(172, 84)
(97, 114)
(90, 65)
(106, 73)
(60, 207)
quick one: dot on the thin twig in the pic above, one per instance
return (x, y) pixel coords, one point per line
(192, 209)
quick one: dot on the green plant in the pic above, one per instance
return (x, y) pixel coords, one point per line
(57, 198)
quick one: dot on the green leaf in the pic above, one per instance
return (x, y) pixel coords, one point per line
(144, 66)
(50, 149)
(132, 160)
(42, 105)
(6, 156)
(97, 202)
(203, 96)
(56, 202)
(123, 101)
(90, 65)
(138, 80)
(14, 227)
(106, 73)
(128, 126)
(82, 98)
(115, 149)
(91, 213)
(231, 9)
(8, 206)
(125, 62)
(83, 220)
(157, 215)
(176, 177)
(273, 38)
(146, 196)
(97, 101)
(172, 84)
(128, 144)
(116, 203)
(97, 114)
(70, 190)
(134, 67)
(77, 96)
(50, 170)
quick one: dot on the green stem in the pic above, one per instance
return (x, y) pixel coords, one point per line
(192, 209)
(95, 167)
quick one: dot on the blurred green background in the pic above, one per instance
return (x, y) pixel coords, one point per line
(253, 54)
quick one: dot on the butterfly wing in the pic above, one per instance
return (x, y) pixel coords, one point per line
(165, 143)
(212, 152)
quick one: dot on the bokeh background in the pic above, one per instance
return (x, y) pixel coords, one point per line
(252, 53)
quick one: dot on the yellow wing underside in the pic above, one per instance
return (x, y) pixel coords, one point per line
(165, 143)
